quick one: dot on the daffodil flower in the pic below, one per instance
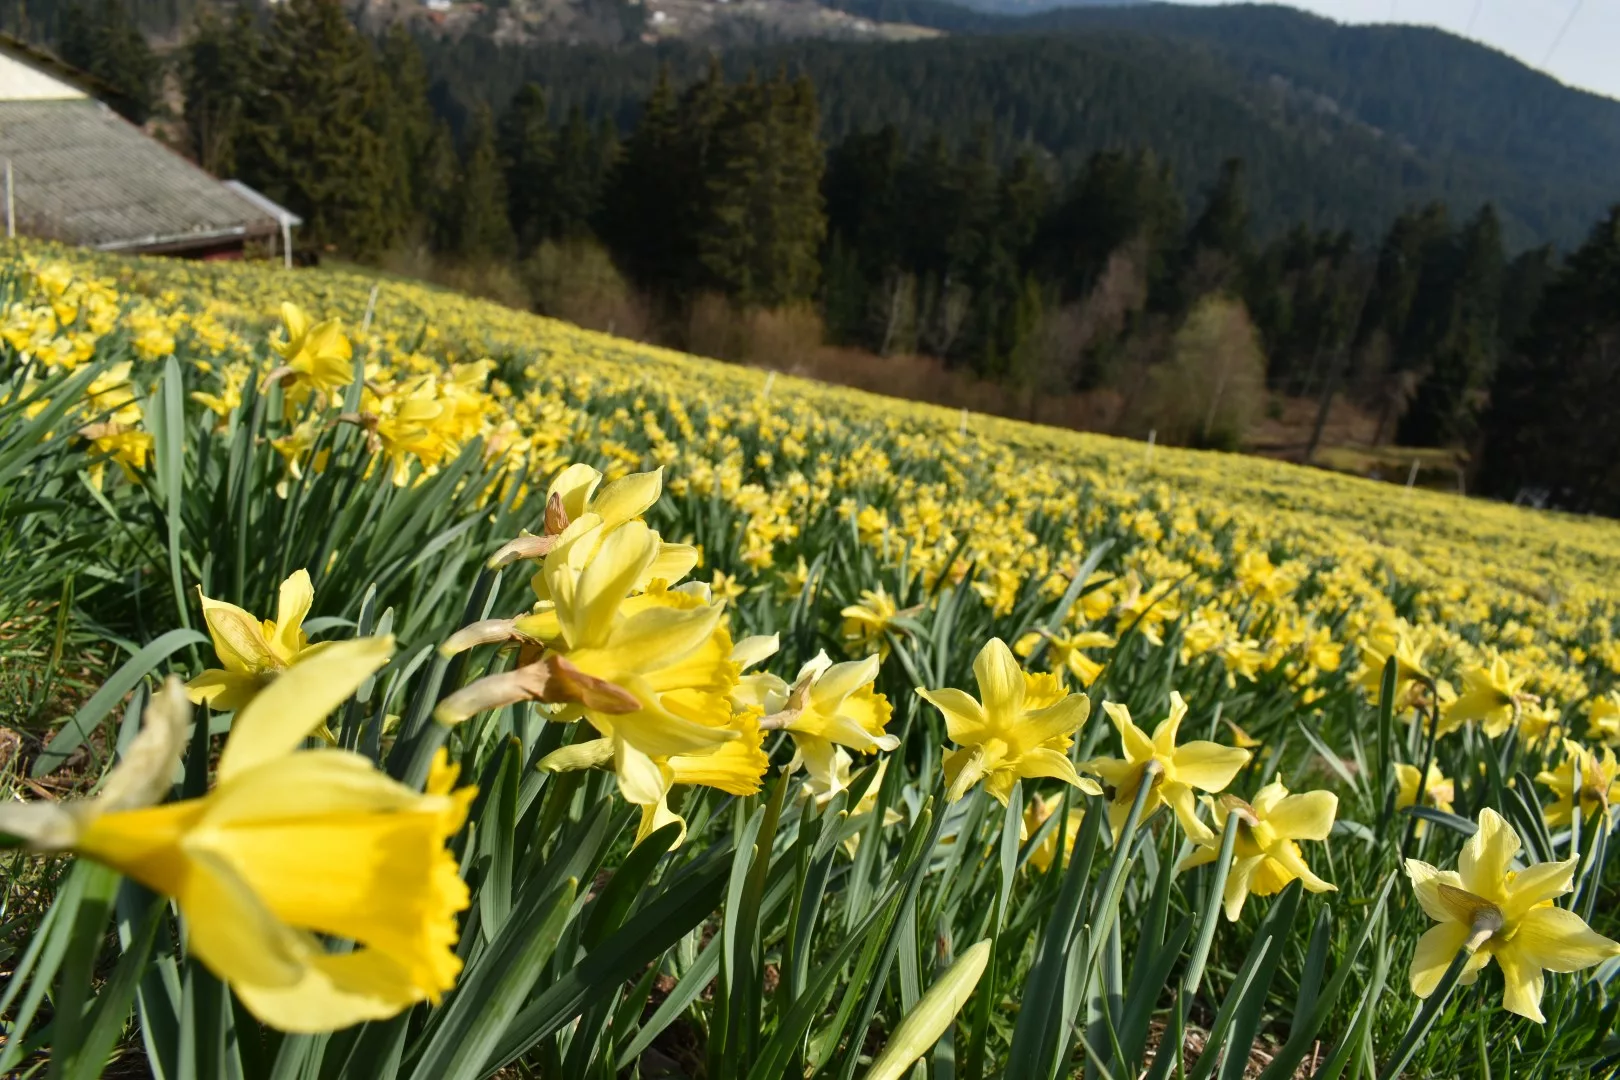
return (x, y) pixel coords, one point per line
(1021, 726)
(832, 706)
(1496, 912)
(1438, 791)
(1035, 815)
(314, 356)
(288, 845)
(253, 651)
(1066, 651)
(1603, 718)
(1597, 789)
(665, 653)
(1265, 853)
(1407, 649)
(1173, 772)
(867, 623)
(1490, 696)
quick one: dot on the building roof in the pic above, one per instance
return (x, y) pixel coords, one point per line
(84, 175)
(265, 203)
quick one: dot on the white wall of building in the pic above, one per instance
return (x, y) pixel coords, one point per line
(20, 82)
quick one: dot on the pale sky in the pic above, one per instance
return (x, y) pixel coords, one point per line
(1576, 41)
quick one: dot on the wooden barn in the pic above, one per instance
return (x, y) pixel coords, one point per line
(75, 171)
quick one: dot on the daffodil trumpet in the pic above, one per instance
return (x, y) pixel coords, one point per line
(288, 848)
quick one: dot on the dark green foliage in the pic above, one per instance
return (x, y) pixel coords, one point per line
(100, 38)
(1118, 198)
(721, 191)
(1550, 433)
(216, 72)
(1458, 341)
(312, 129)
(528, 162)
(483, 228)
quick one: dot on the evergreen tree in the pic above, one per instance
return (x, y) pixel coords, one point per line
(1118, 199)
(216, 72)
(1217, 245)
(484, 229)
(308, 137)
(104, 42)
(1458, 343)
(415, 150)
(526, 149)
(576, 189)
(1550, 431)
(639, 224)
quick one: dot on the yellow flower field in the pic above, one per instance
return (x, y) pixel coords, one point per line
(665, 613)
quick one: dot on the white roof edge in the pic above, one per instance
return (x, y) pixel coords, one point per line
(264, 202)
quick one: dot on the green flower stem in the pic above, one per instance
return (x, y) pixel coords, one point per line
(1426, 1016)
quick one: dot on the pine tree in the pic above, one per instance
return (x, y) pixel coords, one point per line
(1550, 431)
(1457, 308)
(527, 157)
(409, 130)
(216, 73)
(483, 229)
(639, 224)
(105, 42)
(309, 138)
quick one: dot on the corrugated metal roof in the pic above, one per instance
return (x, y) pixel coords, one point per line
(84, 175)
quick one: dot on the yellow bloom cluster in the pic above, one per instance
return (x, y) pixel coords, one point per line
(1282, 585)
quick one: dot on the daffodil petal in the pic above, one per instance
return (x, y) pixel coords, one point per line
(1138, 747)
(1164, 736)
(1426, 882)
(1487, 855)
(1001, 680)
(1538, 883)
(627, 497)
(1307, 816)
(238, 637)
(1208, 766)
(298, 700)
(964, 719)
(1557, 939)
(1435, 950)
(1522, 984)
(292, 606)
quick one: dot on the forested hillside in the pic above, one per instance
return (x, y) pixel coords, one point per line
(1341, 126)
(1108, 223)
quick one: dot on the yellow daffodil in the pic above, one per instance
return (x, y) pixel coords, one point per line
(1407, 648)
(1035, 815)
(1021, 726)
(866, 624)
(1066, 652)
(252, 651)
(1438, 791)
(1265, 853)
(1599, 788)
(315, 356)
(653, 672)
(1240, 738)
(1603, 718)
(1490, 696)
(1172, 772)
(831, 706)
(1497, 912)
(287, 845)
(735, 767)
(1538, 721)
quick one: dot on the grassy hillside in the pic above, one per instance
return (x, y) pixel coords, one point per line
(763, 901)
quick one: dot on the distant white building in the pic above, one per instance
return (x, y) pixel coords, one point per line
(77, 172)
